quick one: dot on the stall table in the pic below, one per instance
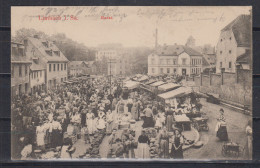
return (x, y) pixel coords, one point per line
(183, 122)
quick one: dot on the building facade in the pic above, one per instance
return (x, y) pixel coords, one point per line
(77, 68)
(53, 62)
(20, 70)
(175, 59)
(117, 66)
(234, 40)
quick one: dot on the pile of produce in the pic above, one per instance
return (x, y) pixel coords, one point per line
(154, 148)
(93, 150)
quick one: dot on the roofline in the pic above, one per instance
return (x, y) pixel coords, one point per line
(21, 62)
(64, 61)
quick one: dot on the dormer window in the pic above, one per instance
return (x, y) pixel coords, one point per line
(49, 52)
(57, 53)
(21, 52)
(45, 44)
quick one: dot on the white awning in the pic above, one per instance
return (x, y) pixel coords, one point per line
(131, 84)
(143, 78)
(168, 86)
(158, 83)
(176, 93)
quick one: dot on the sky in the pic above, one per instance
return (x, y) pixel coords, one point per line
(130, 26)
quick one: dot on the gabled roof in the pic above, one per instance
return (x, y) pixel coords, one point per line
(16, 58)
(38, 44)
(89, 63)
(75, 63)
(205, 62)
(175, 50)
(241, 27)
(245, 58)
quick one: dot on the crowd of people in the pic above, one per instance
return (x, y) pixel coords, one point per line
(56, 119)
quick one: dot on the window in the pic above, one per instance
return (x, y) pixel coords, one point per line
(174, 70)
(64, 66)
(183, 61)
(34, 75)
(61, 79)
(61, 67)
(168, 61)
(168, 70)
(230, 38)
(174, 61)
(20, 89)
(26, 70)
(49, 67)
(58, 67)
(161, 61)
(161, 70)
(220, 64)
(230, 51)
(65, 79)
(20, 70)
(220, 52)
(54, 67)
(152, 70)
(26, 87)
(229, 64)
(40, 73)
(12, 73)
(37, 74)
(220, 40)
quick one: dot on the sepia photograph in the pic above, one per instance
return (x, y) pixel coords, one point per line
(131, 83)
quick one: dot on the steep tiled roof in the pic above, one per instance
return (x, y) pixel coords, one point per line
(175, 50)
(241, 27)
(245, 58)
(205, 62)
(75, 63)
(18, 58)
(38, 43)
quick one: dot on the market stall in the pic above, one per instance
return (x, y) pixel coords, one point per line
(154, 86)
(168, 87)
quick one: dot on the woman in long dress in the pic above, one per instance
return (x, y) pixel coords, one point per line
(40, 133)
(249, 139)
(90, 123)
(143, 150)
(178, 141)
(169, 120)
(134, 111)
(164, 143)
(221, 127)
(109, 125)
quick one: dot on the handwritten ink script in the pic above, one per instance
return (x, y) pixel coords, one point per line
(118, 14)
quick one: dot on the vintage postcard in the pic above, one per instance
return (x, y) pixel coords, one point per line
(131, 83)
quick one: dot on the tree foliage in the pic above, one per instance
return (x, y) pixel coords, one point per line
(73, 50)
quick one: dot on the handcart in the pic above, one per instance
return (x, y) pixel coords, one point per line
(200, 123)
(232, 149)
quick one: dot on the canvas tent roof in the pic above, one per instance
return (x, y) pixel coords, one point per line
(143, 78)
(157, 83)
(168, 86)
(131, 84)
(176, 93)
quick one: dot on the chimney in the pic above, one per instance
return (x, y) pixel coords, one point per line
(25, 42)
(156, 38)
(36, 36)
